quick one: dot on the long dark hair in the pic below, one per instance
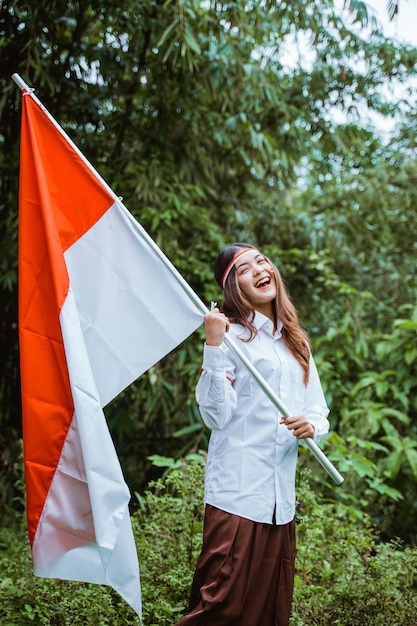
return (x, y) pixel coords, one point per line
(240, 311)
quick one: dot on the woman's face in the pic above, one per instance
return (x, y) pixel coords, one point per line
(256, 280)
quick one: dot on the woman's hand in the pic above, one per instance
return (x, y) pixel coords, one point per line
(300, 426)
(216, 325)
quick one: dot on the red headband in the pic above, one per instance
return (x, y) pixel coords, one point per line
(231, 264)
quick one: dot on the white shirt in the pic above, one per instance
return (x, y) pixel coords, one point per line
(252, 457)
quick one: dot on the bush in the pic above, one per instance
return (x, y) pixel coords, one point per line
(169, 532)
(27, 600)
(345, 576)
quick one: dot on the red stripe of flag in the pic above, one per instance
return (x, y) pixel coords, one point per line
(48, 225)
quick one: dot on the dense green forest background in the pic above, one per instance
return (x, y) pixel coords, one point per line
(211, 131)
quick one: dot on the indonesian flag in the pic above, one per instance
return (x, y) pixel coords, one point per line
(98, 305)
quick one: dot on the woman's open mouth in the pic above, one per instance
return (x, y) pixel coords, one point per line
(263, 282)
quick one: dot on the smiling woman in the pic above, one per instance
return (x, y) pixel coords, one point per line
(256, 279)
(245, 572)
(251, 282)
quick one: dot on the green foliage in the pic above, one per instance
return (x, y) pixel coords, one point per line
(380, 408)
(344, 573)
(27, 600)
(12, 488)
(169, 532)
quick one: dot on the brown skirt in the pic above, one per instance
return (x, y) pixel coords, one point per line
(244, 575)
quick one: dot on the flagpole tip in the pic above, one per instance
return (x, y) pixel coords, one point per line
(19, 81)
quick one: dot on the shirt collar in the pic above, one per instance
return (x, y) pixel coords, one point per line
(260, 320)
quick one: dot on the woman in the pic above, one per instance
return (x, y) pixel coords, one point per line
(245, 573)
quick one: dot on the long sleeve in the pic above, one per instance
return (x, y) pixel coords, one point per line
(214, 392)
(315, 407)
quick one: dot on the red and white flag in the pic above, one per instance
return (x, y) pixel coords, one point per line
(98, 305)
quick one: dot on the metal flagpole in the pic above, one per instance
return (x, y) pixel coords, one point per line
(313, 447)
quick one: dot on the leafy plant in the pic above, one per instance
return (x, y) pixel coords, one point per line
(169, 531)
(345, 574)
(27, 600)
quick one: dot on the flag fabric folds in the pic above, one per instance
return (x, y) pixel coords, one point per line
(98, 305)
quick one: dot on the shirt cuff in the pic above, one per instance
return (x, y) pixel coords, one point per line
(213, 357)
